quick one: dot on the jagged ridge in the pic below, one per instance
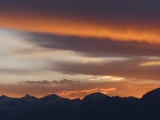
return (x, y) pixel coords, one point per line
(96, 106)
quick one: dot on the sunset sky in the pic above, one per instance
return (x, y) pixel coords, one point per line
(76, 47)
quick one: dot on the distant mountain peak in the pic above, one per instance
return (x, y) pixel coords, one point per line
(28, 96)
(3, 96)
(4, 99)
(152, 95)
(98, 94)
(95, 96)
(50, 97)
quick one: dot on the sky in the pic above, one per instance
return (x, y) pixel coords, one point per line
(76, 47)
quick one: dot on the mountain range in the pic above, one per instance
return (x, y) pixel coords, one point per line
(96, 106)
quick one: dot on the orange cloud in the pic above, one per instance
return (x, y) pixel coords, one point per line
(82, 93)
(150, 63)
(82, 28)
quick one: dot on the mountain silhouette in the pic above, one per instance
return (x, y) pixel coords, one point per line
(152, 96)
(96, 106)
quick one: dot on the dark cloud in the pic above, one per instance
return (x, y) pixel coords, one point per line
(131, 68)
(119, 10)
(94, 46)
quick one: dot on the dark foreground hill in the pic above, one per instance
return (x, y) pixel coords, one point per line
(95, 106)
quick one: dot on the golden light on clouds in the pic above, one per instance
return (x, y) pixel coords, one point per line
(81, 28)
(150, 63)
(106, 78)
(82, 93)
